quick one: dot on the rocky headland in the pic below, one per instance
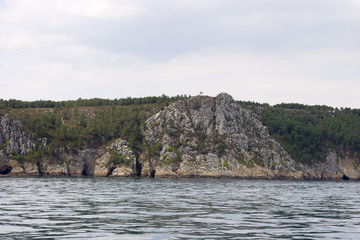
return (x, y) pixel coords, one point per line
(198, 137)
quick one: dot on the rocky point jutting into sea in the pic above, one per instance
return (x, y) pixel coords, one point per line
(198, 137)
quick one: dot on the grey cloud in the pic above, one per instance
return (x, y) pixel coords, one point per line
(256, 48)
(256, 26)
(168, 30)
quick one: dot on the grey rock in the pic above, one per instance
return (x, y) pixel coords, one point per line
(124, 150)
(83, 163)
(334, 167)
(5, 167)
(14, 140)
(213, 136)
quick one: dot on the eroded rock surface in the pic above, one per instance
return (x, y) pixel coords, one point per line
(206, 136)
(13, 140)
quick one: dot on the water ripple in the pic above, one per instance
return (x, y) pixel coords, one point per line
(109, 208)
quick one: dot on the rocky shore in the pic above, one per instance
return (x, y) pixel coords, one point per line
(198, 137)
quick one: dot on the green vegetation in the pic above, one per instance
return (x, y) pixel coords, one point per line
(219, 145)
(94, 102)
(226, 165)
(242, 161)
(116, 159)
(355, 164)
(257, 160)
(220, 149)
(80, 131)
(82, 124)
(274, 164)
(169, 160)
(196, 105)
(34, 156)
(154, 149)
(307, 133)
(201, 147)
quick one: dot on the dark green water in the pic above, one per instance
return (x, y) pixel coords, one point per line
(106, 208)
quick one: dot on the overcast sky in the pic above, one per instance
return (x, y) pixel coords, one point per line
(269, 51)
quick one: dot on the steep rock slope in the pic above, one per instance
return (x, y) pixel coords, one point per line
(13, 139)
(206, 136)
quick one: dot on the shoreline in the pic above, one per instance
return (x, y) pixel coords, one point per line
(177, 177)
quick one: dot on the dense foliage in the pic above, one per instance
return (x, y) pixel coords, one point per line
(17, 104)
(307, 133)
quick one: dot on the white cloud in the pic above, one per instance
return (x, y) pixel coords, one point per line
(283, 51)
(15, 42)
(99, 8)
(246, 76)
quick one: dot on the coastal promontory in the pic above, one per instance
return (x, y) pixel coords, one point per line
(198, 136)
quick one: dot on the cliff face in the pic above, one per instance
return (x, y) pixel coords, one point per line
(88, 162)
(15, 143)
(198, 137)
(334, 167)
(12, 137)
(205, 136)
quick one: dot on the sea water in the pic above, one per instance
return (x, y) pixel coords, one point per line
(141, 208)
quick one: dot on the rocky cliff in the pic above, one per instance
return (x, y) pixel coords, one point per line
(198, 137)
(18, 158)
(206, 136)
(13, 140)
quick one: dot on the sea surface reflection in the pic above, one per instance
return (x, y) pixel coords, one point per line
(114, 208)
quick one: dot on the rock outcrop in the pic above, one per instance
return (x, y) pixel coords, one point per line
(335, 167)
(206, 136)
(117, 160)
(5, 166)
(13, 140)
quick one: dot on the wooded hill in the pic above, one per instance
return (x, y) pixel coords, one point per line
(307, 133)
